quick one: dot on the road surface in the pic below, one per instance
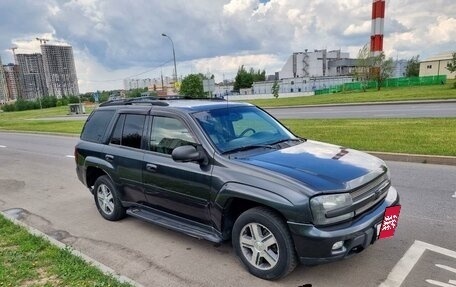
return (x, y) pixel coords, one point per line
(423, 110)
(38, 185)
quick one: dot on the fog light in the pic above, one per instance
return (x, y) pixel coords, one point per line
(338, 245)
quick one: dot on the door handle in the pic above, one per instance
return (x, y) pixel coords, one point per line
(151, 167)
(109, 157)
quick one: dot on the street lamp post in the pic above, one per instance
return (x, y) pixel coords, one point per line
(174, 57)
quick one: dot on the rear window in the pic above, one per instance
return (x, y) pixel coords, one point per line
(96, 125)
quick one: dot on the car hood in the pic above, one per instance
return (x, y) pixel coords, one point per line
(320, 166)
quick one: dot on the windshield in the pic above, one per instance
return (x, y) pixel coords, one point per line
(238, 128)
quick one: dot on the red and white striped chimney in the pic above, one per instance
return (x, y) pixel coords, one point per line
(378, 16)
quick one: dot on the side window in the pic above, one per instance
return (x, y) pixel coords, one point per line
(117, 133)
(132, 130)
(95, 127)
(128, 130)
(167, 134)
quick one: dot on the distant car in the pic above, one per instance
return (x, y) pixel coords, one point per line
(220, 170)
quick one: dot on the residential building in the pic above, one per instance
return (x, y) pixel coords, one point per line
(436, 65)
(3, 86)
(319, 63)
(12, 76)
(32, 75)
(158, 83)
(60, 70)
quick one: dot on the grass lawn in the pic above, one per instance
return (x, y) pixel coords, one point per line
(30, 121)
(434, 92)
(28, 260)
(416, 136)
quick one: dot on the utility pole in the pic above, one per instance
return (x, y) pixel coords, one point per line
(174, 57)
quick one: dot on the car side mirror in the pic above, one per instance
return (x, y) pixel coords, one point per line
(189, 153)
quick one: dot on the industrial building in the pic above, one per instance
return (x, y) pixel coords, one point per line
(436, 65)
(319, 63)
(60, 71)
(32, 75)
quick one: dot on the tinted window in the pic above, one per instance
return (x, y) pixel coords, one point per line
(132, 131)
(167, 134)
(117, 133)
(96, 125)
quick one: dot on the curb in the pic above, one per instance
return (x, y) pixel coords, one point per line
(365, 104)
(417, 158)
(100, 266)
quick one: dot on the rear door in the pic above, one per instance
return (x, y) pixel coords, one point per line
(126, 155)
(179, 188)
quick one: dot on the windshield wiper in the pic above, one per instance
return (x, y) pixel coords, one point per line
(247, 147)
(288, 140)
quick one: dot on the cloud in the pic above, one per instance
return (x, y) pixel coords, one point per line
(115, 39)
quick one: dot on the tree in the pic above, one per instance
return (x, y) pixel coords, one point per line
(413, 67)
(382, 69)
(275, 89)
(192, 86)
(451, 66)
(373, 68)
(363, 64)
(245, 79)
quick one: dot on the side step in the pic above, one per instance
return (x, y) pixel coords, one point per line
(176, 223)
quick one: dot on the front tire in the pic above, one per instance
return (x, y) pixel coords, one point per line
(107, 200)
(263, 243)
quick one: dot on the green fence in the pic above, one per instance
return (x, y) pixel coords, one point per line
(394, 82)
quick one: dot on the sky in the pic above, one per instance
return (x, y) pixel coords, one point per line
(117, 39)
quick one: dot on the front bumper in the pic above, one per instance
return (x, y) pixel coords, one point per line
(314, 244)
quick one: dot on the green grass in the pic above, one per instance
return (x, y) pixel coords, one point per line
(436, 136)
(434, 92)
(28, 260)
(30, 121)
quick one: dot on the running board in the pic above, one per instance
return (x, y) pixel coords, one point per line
(176, 223)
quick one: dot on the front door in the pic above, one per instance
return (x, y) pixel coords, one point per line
(179, 188)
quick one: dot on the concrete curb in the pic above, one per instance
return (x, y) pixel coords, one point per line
(418, 158)
(103, 268)
(365, 104)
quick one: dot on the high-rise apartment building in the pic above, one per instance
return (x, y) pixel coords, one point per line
(3, 86)
(32, 75)
(12, 76)
(60, 71)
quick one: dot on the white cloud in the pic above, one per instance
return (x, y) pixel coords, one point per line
(115, 39)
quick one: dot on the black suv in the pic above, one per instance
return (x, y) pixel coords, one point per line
(219, 170)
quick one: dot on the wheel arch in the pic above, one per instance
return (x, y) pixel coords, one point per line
(235, 199)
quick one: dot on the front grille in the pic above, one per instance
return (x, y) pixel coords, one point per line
(370, 194)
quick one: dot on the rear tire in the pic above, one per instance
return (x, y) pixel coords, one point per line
(263, 242)
(107, 199)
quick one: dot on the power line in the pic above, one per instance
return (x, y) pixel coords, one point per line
(135, 75)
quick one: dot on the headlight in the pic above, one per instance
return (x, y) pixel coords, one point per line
(332, 208)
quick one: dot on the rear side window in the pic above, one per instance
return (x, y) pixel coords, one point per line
(128, 131)
(96, 125)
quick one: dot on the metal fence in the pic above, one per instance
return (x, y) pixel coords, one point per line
(394, 82)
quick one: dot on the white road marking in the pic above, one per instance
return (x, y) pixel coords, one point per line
(2, 146)
(69, 156)
(454, 195)
(442, 284)
(448, 268)
(408, 261)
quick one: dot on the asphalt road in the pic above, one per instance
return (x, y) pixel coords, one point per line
(39, 186)
(368, 111)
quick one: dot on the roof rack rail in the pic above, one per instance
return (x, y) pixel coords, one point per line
(135, 101)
